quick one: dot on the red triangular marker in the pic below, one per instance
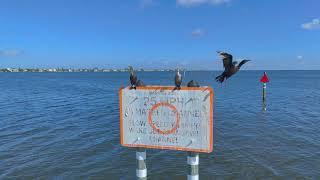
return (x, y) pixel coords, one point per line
(264, 78)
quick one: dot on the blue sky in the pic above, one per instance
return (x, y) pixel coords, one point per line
(274, 34)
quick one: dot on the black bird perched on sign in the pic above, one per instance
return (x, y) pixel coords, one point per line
(193, 83)
(140, 83)
(230, 66)
(178, 79)
(133, 78)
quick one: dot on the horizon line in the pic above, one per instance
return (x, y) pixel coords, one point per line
(153, 69)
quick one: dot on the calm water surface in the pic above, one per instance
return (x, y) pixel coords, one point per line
(66, 126)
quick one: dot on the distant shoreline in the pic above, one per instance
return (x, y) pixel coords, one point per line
(59, 70)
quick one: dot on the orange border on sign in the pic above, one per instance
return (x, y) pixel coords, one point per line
(172, 107)
(209, 150)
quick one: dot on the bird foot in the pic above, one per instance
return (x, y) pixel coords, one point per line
(220, 79)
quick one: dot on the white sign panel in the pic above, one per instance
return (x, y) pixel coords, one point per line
(163, 118)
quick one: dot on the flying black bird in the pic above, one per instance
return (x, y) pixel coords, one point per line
(133, 78)
(178, 79)
(193, 83)
(230, 66)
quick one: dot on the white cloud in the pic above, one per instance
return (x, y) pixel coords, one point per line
(314, 24)
(198, 32)
(10, 52)
(190, 3)
(300, 61)
(146, 3)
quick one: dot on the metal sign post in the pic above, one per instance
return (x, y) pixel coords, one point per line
(193, 166)
(141, 171)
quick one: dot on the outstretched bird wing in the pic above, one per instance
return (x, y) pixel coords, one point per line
(243, 62)
(227, 60)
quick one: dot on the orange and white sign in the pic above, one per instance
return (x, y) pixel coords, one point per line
(163, 118)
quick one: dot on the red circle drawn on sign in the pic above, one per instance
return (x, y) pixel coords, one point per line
(174, 109)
